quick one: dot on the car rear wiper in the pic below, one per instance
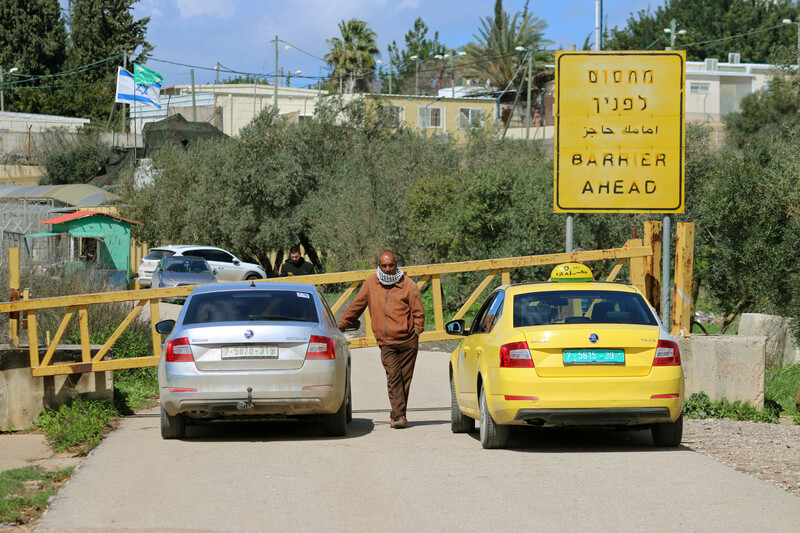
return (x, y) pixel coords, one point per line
(275, 317)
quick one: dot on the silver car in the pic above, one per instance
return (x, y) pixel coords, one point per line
(180, 271)
(266, 350)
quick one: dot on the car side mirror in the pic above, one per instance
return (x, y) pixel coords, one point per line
(456, 327)
(165, 326)
(354, 327)
(236, 262)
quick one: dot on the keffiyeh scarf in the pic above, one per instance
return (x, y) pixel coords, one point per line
(386, 279)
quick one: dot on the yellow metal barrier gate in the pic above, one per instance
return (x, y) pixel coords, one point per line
(643, 272)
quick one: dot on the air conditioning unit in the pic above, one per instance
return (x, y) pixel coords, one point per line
(711, 63)
(734, 58)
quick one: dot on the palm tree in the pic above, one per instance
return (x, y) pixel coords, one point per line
(493, 56)
(353, 56)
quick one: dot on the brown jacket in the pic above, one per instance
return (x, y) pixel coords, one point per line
(396, 311)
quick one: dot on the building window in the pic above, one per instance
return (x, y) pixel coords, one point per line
(699, 88)
(473, 115)
(430, 117)
(391, 115)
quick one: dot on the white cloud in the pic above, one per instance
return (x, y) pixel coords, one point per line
(200, 8)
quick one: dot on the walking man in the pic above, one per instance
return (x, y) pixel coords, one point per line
(398, 318)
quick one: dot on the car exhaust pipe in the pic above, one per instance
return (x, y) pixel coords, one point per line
(248, 404)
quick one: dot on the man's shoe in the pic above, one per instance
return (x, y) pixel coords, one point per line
(401, 422)
(392, 423)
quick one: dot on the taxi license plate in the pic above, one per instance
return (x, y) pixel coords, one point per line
(250, 351)
(594, 357)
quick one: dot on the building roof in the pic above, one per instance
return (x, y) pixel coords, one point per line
(83, 214)
(81, 195)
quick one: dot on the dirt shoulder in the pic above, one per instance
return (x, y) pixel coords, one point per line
(770, 452)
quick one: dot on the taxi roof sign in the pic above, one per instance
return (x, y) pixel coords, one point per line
(568, 272)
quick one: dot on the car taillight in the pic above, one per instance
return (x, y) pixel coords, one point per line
(515, 355)
(179, 351)
(320, 348)
(667, 354)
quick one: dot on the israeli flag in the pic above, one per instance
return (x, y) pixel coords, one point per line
(129, 91)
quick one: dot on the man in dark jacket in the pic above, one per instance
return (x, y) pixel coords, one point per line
(296, 265)
(395, 307)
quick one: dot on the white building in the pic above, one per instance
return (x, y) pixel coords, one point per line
(229, 107)
(714, 89)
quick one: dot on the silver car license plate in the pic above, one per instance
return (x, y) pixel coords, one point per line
(248, 351)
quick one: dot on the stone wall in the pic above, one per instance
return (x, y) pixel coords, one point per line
(725, 366)
(22, 396)
(781, 346)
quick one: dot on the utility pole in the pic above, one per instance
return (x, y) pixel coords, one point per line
(217, 69)
(452, 73)
(194, 103)
(416, 75)
(275, 93)
(124, 110)
(530, 82)
(390, 72)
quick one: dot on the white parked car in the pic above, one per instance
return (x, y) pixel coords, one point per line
(226, 266)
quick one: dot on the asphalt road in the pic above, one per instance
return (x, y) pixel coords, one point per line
(284, 476)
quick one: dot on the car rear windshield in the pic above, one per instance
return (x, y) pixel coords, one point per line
(194, 265)
(155, 255)
(251, 306)
(581, 306)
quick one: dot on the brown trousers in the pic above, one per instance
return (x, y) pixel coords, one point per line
(398, 361)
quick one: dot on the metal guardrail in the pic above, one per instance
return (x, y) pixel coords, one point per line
(637, 254)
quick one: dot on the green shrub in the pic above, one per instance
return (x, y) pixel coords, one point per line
(699, 405)
(80, 424)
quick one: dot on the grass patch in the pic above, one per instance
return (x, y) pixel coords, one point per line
(134, 388)
(81, 424)
(24, 492)
(699, 405)
(781, 387)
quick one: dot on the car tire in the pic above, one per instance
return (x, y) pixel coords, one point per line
(252, 276)
(172, 427)
(493, 435)
(668, 434)
(349, 417)
(459, 422)
(335, 425)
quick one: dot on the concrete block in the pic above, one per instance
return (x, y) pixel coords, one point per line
(725, 366)
(781, 346)
(22, 396)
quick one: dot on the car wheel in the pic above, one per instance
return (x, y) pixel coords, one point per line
(668, 434)
(459, 423)
(172, 427)
(349, 417)
(252, 276)
(493, 435)
(335, 425)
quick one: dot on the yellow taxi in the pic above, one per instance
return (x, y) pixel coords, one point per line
(565, 352)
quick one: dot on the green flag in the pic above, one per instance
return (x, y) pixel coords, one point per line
(143, 75)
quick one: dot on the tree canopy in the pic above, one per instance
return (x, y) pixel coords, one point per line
(493, 55)
(416, 75)
(33, 39)
(713, 29)
(353, 55)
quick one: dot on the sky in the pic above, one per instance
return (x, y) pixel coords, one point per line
(240, 34)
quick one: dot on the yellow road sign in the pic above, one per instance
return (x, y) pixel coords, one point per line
(619, 142)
